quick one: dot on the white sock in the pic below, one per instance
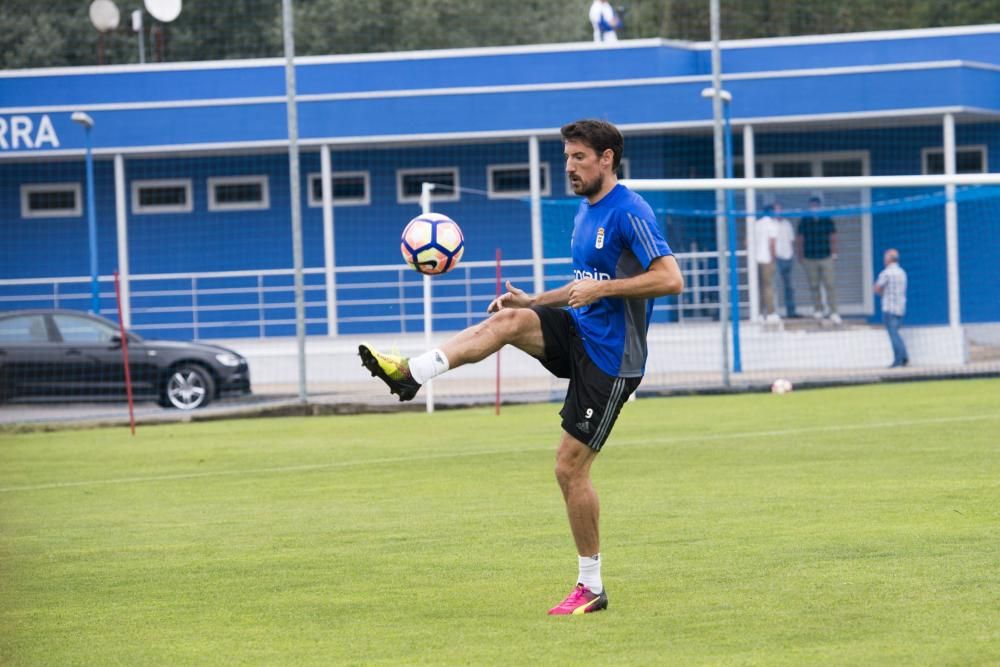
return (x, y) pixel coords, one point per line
(428, 365)
(590, 573)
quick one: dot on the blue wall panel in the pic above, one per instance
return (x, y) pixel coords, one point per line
(54, 246)
(586, 64)
(392, 72)
(156, 83)
(775, 57)
(518, 111)
(204, 240)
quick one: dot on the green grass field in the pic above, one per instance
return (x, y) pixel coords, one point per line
(852, 526)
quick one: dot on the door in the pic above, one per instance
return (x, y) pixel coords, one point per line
(29, 358)
(854, 264)
(93, 358)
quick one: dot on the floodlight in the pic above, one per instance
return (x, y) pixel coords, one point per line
(164, 11)
(104, 15)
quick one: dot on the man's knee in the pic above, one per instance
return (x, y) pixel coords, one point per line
(514, 325)
(513, 319)
(572, 462)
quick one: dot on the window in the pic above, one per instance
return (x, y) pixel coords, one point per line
(50, 200)
(74, 329)
(238, 193)
(514, 180)
(968, 160)
(739, 169)
(23, 329)
(791, 169)
(165, 196)
(350, 188)
(624, 171)
(846, 163)
(851, 167)
(409, 183)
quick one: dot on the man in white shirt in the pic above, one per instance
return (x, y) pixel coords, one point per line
(765, 248)
(891, 286)
(605, 21)
(784, 253)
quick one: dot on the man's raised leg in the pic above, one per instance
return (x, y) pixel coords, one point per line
(520, 327)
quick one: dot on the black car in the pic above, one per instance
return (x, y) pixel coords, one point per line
(70, 354)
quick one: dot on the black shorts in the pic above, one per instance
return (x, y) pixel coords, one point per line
(594, 398)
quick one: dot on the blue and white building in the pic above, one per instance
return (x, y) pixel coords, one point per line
(192, 178)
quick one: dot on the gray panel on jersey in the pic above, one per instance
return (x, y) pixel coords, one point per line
(634, 348)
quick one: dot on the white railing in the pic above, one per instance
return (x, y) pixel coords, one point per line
(197, 303)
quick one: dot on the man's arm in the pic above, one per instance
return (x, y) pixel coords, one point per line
(518, 298)
(880, 283)
(833, 245)
(663, 277)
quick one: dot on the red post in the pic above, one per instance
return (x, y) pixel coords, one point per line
(498, 351)
(128, 373)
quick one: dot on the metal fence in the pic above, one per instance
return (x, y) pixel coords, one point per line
(369, 299)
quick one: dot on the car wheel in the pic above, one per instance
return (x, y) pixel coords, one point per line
(188, 386)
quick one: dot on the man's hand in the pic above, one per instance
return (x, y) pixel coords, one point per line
(514, 298)
(584, 292)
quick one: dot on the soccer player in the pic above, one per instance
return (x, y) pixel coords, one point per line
(621, 263)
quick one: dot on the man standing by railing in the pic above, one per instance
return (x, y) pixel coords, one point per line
(766, 240)
(784, 252)
(891, 286)
(817, 250)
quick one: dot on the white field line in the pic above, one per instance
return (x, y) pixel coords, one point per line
(493, 452)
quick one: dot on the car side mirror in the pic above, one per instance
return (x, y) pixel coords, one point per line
(115, 340)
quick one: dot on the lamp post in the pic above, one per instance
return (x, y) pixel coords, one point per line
(138, 29)
(95, 292)
(734, 285)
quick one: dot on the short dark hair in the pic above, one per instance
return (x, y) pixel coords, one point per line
(599, 135)
(815, 200)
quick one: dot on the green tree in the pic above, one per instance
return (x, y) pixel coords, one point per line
(342, 26)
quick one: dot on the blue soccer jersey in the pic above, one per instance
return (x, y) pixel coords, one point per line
(615, 238)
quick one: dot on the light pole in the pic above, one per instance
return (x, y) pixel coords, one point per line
(734, 285)
(95, 291)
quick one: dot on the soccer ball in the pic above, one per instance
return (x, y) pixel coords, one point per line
(781, 386)
(432, 243)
